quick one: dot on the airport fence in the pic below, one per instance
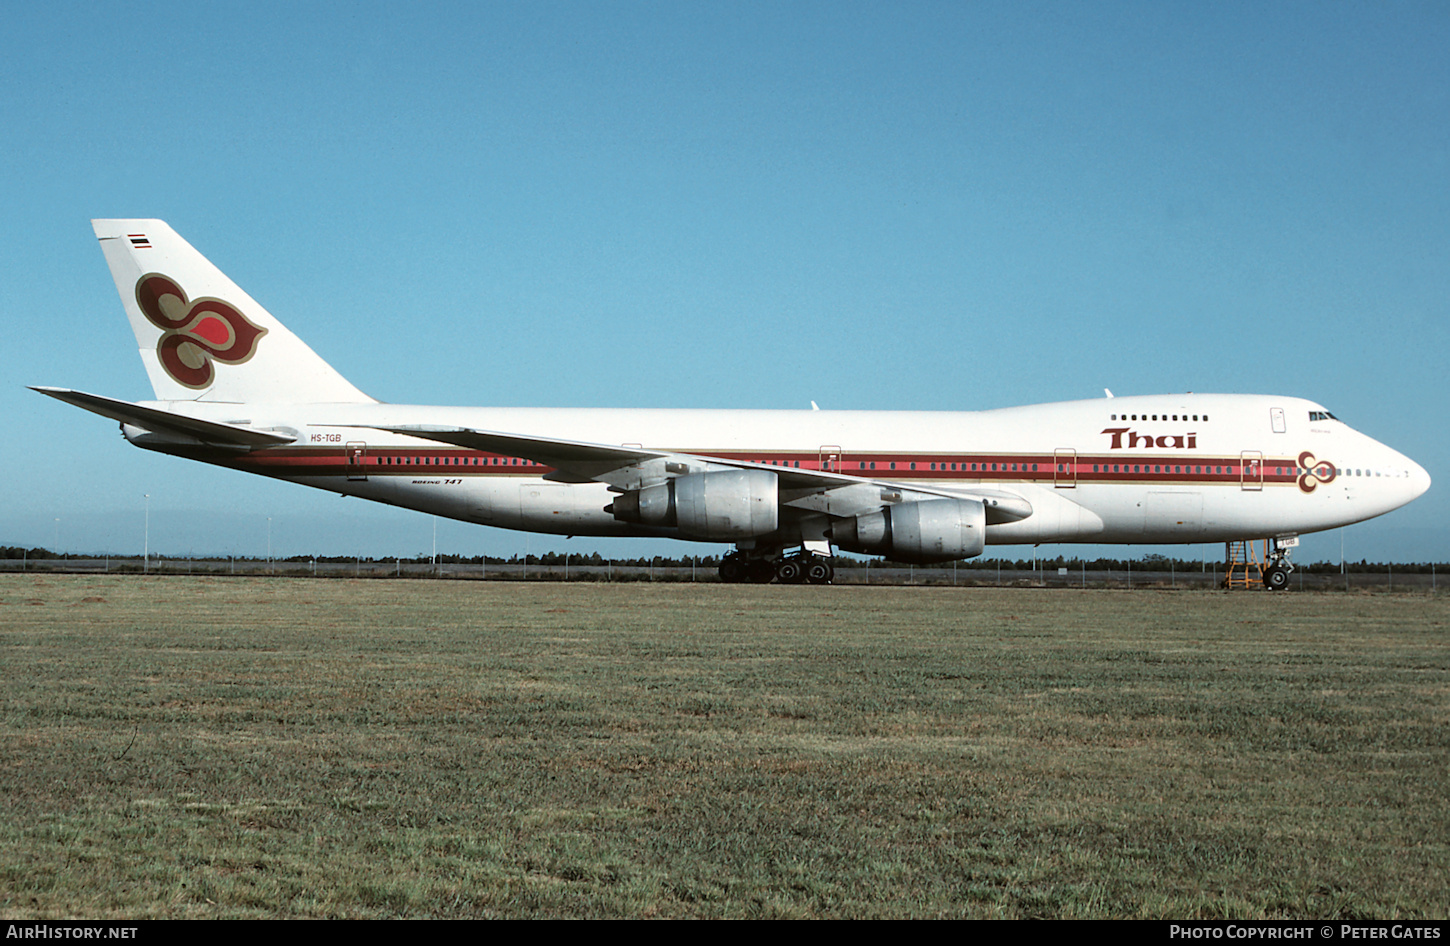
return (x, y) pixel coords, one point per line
(848, 572)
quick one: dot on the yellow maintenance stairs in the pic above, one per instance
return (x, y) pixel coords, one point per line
(1244, 564)
(1249, 565)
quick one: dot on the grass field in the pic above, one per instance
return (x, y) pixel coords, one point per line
(251, 747)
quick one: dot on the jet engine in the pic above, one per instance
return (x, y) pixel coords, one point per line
(933, 530)
(725, 505)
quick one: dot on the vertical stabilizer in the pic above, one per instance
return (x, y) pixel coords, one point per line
(201, 337)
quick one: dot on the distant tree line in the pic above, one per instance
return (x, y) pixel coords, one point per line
(1151, 562)
(18, 551)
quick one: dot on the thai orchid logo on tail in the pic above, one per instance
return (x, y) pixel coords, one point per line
(194, 332)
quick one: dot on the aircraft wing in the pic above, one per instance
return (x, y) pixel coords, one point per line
(581, 462)
(168, 422)
(626, 468)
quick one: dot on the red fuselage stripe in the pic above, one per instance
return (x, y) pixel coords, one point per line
(331, 461)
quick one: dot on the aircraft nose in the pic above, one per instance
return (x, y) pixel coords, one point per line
(1419, 479)
(1411, 481)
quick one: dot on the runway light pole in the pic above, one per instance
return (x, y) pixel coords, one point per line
(146, 548)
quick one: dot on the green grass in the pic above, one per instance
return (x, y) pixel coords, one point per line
(254, 747)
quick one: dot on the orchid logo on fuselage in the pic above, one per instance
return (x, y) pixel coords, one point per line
(194, 332)
(1312, 472)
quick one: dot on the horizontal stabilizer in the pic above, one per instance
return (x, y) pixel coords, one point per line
(168, 422)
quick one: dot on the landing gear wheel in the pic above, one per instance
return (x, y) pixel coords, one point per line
(1276, 578)
(819, 571)
(732, 569)
(789, 571)
(760, 572)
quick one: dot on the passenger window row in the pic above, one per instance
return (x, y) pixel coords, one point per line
(1180, 417)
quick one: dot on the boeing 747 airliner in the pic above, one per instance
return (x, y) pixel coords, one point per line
(235, 388)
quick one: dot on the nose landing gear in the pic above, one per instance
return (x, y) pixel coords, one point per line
(1279, 568)
(1246, 567)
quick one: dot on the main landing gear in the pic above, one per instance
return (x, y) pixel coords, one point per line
(795, 569)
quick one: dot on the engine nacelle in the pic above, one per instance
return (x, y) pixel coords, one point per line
(724, 505)
(934, 530)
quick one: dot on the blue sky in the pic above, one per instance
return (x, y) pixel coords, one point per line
(923, 206)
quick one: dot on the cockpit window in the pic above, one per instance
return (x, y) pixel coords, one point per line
(1321, 415)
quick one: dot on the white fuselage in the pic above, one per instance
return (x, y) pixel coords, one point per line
(1163, 469)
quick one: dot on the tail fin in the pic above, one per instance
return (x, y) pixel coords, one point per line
(201, 337)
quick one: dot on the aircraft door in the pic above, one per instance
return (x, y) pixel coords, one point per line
(1276, 419)
(357, 458)
(833, 459)
(1064, 470)
(1251, 470)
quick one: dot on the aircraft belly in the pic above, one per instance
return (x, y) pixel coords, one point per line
(1241, 514)
(528, 504)
(1055, 518)
(537, 505)
(566, 508)
(1173, 516)
(1210, 515)
(1128, 514)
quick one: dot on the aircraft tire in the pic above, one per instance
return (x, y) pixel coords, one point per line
(1276, 578)
(789, 571)
(820, 572)
(732, 570)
